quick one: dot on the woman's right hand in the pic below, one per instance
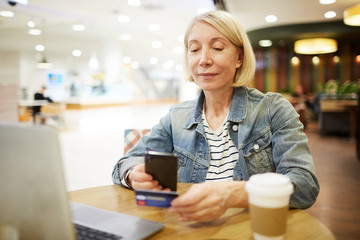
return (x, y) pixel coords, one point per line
(139, 179)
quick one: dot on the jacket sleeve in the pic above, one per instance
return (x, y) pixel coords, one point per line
(294, 159)
(159, 139)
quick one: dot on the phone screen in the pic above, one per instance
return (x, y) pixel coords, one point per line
(163, 167)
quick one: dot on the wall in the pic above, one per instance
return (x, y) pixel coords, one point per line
(9, 68)
(8, 103)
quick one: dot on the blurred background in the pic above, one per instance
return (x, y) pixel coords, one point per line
(116, 64)
(117, 51)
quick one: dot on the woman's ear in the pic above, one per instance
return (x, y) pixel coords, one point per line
(240, 59)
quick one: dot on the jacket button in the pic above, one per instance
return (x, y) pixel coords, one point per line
(256, 147)
(235, 128)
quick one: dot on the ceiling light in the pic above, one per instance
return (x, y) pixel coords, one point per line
(8, 14)
(156, 44)
(265, 43)
(330, 14)
(315, 60)
(270, 18)
(134, 3)
(315, 46)
(326, 1)
(76, 53)
(123, 18)
(336, 59)
(40, 48)
(357, 59)
(94, 64)
(154, 27)
(125, 37)
(34, 32)
(295, 60)
(43, 64)
(78, 27)
(31, 24)
(352, 16)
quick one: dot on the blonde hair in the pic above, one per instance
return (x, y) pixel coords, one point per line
(232, 30)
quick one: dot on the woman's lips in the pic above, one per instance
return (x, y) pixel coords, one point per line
(207, 74)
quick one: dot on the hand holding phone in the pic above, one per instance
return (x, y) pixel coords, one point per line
(163, 167)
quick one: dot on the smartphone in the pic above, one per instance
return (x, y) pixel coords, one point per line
(163, 167)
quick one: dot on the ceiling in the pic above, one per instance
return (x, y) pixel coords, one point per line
(55, 19)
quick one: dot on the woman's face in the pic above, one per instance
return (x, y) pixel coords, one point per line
(213, 59)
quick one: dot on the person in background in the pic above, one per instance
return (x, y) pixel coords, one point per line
(306, 106)
(299, 91)
(226, 135)
(36, 110)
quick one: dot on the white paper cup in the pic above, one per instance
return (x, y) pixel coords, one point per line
(269, 195)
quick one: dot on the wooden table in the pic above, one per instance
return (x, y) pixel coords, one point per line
(351, 106)
(342, 105)
(234, 224)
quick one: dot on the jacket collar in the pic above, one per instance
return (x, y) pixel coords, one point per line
(237, 109)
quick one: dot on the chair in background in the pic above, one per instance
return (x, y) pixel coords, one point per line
(299, 105)
(132, 137)
(52, 114)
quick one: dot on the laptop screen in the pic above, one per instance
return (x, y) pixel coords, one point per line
(33, 202)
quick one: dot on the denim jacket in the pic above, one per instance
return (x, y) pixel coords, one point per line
(264, 127)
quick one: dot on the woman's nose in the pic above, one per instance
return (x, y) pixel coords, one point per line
(205, 58)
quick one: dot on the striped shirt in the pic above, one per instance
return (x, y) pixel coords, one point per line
(223, 153)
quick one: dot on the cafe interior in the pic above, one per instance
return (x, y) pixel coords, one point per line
(114, 65)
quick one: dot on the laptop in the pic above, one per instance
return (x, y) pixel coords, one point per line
(33, 198)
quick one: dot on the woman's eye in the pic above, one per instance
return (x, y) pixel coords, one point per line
(218, 49)
(193, 50)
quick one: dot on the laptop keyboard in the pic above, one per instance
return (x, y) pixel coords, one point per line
(86, 233)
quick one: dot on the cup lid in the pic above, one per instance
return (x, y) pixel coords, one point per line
(269, 184)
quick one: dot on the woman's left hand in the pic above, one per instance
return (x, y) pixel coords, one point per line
(208, 201)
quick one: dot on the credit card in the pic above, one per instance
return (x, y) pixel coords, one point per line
(154, 198)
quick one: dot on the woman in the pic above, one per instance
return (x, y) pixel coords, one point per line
(228, 134)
